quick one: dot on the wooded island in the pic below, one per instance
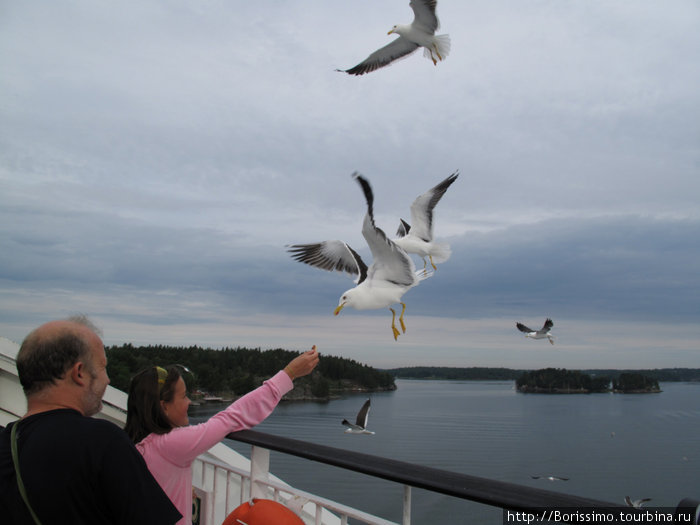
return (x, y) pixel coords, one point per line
(231, 372)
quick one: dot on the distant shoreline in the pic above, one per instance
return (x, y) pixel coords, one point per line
(511, 374)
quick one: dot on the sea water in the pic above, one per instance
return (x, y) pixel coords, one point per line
(608, 445)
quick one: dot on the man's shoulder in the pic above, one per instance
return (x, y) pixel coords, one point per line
(103, 427)
(72, 421)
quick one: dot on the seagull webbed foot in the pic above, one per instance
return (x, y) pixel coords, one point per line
(403, 325)
(393, 325)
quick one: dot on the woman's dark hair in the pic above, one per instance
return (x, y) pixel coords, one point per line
(144, 414)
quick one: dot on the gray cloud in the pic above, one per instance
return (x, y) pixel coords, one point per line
(155, 160)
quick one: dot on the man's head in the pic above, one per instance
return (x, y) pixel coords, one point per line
(65, 359)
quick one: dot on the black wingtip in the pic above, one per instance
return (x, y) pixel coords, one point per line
(448, 181)
(367, 190)
(358, 70)
(404, 228)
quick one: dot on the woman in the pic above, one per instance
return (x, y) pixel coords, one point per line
(157, 422)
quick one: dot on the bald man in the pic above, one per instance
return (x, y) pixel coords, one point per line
(74, 469)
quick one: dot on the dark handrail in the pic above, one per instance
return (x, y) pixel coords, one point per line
(490, 492)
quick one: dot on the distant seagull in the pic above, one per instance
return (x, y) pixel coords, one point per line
(360, 426)
(418, 238)
(420, 33)
(550, 478)
(391, 274)
(538, 334)
(637, 503)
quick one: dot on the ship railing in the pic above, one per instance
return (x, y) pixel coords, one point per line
(507, 496)
(221, 488)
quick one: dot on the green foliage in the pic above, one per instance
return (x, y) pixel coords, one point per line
(560, 380)
(506, 374)
(465, 374)
(630, 382)
(239, 370)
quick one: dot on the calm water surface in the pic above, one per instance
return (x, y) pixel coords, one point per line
(608, 445)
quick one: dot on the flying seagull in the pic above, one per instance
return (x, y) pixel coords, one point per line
(418, 237)
(420, 33)
(390, 275)
(550, 478)
(538, 334)
(360, 426)
(637, 503)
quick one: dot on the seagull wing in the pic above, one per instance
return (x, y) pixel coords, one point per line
(404, 228)
(548, 324)
(362, 415)
(390, 263)
(347, 423)
(422, 208)
(523, 328)
(331, 256)
(384, 56)
(425, 17)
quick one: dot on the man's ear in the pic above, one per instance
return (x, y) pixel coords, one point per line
(78, 373)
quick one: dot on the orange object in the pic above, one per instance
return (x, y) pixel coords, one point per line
(262, 512)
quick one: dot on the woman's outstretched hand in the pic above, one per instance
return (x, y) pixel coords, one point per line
(303, 364)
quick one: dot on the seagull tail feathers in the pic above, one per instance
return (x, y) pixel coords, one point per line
(424, 274)
(442, 42)
(440, 252)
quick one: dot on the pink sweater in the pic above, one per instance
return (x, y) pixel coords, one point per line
(169, 456)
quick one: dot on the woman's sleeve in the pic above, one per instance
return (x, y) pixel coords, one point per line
(182, 445)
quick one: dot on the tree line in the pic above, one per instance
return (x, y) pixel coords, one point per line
(507, 374)
(465, 374)
(236, 371)
(560, 380)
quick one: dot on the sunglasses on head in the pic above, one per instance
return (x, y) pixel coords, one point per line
(163, 373)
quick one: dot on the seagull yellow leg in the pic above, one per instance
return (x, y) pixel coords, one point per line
(437, 52)
(403, 326)
(431, 262)
(393, 325)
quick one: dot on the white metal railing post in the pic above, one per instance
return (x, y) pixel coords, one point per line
(406, 505)
(259, 471)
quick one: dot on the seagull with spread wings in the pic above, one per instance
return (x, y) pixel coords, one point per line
(538, 334)
(380, 285)
(636, 503)
(550, 478)
(360, 426)
(420, 33)
(417, 237)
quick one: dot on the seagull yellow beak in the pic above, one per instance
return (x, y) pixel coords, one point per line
(390, 31)
(338, 309)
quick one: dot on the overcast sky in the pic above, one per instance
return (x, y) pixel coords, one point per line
(156, 157)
